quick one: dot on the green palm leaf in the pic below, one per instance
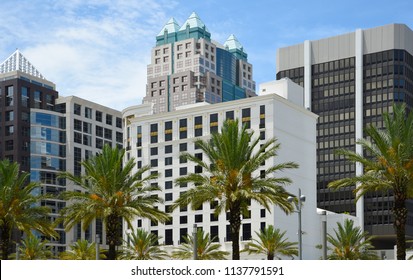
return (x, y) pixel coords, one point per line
(388, 166)
(232, 158)
(111, 192)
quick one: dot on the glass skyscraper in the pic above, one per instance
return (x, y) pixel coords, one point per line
(350, 80)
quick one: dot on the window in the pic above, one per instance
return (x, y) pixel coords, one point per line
(213, 217)
(198, 218)
(77, 125)
(214, 233)
(154, 163)
(87, 127)
(10, 96)
(183, 129)
(246, 232)
(168, 131)
(88, 112)
(198, 169)
(9, 145)
(87, 140)
(99, 143)
(182, 159)
(198, 126)
(38, 99)
(262, 116)
(262, 213)
(168, 173)
(154, 151)
(108, 119)
(154, 132)
(183, 219)
(77, 109)
(183, 232)
(98, 116)
(183, 147)
(25, 97)
(168, 149)
(108, 134)
(119, 137)
(168, 237)
(78, 137)
(77, 159)
(168, 161)
(99, 130)
(168, 197)
(9, 116)
(246, 117)
(168, 185)
(183, 171)
(228, 234)
(229, 115)
(118, 122)
(213, 123)
(9, 130)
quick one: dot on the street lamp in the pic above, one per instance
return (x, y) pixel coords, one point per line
(301, 199)
(195, 238)
(97, 240)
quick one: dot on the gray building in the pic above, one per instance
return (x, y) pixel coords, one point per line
(188, 67)
(349, 81)
(47, 134)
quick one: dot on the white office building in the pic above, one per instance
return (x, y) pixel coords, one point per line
(158, 139)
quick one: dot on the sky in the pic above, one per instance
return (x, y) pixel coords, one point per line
(99, 49)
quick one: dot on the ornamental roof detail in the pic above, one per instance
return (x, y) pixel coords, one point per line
(170, 27)
(17, 62)
(232, 43)
(193, 21)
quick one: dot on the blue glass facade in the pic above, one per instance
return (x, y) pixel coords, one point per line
(46, 119)
(48, 151)
(226, 65)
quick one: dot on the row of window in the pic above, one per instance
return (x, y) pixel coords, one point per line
(98, 115)
(214, 233)
(38, 97)
(198, 125)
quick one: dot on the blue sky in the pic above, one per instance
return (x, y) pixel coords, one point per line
(99, 49)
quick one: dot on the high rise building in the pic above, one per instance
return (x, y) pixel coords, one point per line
(188, 67)
(158, 140)
(47, 134)
(349, 81)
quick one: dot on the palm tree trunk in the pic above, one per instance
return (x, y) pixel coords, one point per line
(270, 256)
(235, 225)
(400, 218)
(112, 235)
(5, 241)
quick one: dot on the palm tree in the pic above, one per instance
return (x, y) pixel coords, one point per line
(111, 193)
(388, 166)
(231, 176)
(142, 245)
(81, 250)
(272, 243)
(19, 207)
(206, 248)
(33, 248)
(350, 243)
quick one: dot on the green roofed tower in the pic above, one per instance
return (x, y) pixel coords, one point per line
(188, 67)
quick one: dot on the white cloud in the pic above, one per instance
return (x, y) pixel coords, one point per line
(97, 50)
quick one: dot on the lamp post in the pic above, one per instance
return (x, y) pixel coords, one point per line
(301, 199)
(195, 238)
(97, 240)
(324, 233)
